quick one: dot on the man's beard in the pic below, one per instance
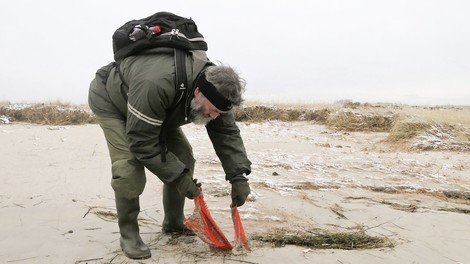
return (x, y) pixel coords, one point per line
(196, 113)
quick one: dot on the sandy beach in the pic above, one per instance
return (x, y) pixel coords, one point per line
(56, 203)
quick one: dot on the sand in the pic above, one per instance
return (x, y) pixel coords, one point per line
(56, 180)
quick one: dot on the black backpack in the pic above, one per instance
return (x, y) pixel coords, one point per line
(162, 29)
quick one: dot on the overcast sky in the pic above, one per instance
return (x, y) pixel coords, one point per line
(298, 51)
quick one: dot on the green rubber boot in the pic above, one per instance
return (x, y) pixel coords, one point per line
(173, 206)
(131, 242)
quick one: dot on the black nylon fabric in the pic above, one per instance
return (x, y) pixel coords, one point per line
(189, 38)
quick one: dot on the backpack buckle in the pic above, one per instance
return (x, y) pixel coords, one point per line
(174, 33)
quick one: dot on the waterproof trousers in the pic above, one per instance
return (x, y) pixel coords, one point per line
(128, 174)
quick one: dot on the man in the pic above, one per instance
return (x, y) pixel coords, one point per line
(134, 113)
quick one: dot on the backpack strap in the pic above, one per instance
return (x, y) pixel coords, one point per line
(181, 86)
(181, 76)
(124, 87)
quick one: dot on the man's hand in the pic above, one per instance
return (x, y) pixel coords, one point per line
(187, 186)
(240, 191)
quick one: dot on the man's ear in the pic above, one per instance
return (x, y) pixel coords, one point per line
(197, 91)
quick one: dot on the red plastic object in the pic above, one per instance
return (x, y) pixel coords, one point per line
(156, 29)
(204, 226)
(240, 238)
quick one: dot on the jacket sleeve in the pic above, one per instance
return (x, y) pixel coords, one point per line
(228, 145)
(146, 111)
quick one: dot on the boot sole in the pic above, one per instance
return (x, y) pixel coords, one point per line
(171, 231)
(145, 256)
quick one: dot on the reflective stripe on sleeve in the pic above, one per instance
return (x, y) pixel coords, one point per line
(139, 115)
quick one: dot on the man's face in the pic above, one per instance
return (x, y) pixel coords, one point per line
(202, 110)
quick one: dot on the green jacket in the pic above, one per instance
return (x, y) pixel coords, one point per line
(150, 77)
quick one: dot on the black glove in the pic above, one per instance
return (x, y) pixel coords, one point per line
(187, 186)
(240, 190)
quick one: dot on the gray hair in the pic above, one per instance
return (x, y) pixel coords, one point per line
(227, 82)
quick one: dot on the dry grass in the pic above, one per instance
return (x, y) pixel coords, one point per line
(347, 120)
(48, 114)
(455, 210)
(106, 215)
(338, 210)
(261, 113)
(443, 137)
(404, 131)
(453, 196)
(323, 239)
(344, 115)
(402, 207)
(453, 115)
(410, 128)
(457, 195)
(295, 186)
(421, 136)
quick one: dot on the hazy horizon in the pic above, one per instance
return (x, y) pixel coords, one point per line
(406, 52)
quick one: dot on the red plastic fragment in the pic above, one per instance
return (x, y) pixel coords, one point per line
(204, 226)
(240, 238)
